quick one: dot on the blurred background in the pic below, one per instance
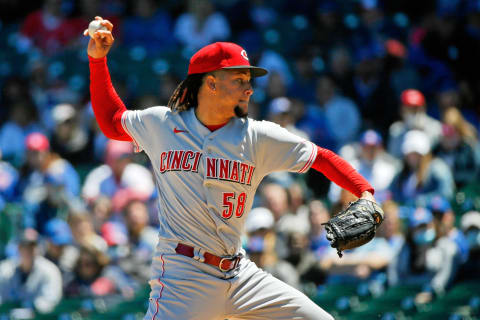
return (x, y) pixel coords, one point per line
(391, 86)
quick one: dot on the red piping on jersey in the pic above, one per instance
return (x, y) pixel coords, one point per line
(107, 105)
(341, 172)
(161, 290)
(310, 159)
(124, 126)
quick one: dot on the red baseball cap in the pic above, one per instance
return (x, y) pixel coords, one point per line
(37, 142)
(412, 98)
(222, 55)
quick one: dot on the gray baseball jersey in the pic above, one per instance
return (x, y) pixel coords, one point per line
(207, 180)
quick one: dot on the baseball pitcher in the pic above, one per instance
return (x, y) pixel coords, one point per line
(208, 159)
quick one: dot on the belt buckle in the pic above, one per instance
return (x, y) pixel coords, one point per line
(235, 260)
(220, 265)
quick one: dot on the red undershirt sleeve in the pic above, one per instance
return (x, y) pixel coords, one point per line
(341, 172)
(107, 105)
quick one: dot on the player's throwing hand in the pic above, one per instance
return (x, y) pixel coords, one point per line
(102, 40)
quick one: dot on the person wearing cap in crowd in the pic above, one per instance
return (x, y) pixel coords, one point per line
(413, 110)
(444, 220)
(372, 161)
(69, 139)
(49, 183)
(260, 246)
(281, 112)
(119, 178)
(209, 159)
(470, 225)
(422, 175)
(59, 247)
(31, 280)
(426, 258)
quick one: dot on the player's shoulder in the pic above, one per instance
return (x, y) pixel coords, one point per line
(262, 125)
(156, 112)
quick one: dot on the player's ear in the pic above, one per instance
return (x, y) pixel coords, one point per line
(210, 82)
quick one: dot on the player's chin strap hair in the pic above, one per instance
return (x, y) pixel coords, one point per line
(185, 95)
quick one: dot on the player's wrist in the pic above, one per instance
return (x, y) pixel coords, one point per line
(96, 59)
(367, 195)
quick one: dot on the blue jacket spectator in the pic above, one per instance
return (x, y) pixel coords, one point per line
(426, 258)
(49, 183)
(149, 27)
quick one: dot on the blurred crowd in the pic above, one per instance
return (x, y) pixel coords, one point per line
(391, 86)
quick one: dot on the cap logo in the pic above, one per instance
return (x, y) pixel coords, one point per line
(244, 54)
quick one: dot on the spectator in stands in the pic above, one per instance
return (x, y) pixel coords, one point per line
(279, 76)
(83, 232)
(422, 176)
(414, 117)
(444, 221)
(8, 183)
(89, 278)
(59, 248)
(281, 112)
(470, 224)
(341, 115)
(459, 148)
(298, 195)
(275, 198)
(149, 26)
(371, 160)
(391, 228)
(341, 70)
(141, 242)
(201, 25)
(426, 258)
(372, 91)
(118, 176)
(70, 139)
(261, 244)
(318, 214)
(32, 280)
(402, 75)
(48, 28)
(320, 119)
(102, 212)
(49, 182)
(21, 122)
(302, 258)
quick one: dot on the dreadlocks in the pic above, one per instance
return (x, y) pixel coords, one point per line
(185, 95)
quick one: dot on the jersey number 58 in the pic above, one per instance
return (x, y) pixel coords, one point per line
(229, 207)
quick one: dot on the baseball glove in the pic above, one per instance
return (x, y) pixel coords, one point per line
(354, 226)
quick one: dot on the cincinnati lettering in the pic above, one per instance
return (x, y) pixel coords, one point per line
(179, 160)
(216, 168)
(229, 170)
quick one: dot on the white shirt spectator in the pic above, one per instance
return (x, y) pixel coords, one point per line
(42, 287)
(100, 181)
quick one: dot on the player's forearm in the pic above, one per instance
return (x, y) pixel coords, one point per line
(341, 172)
(107, 105)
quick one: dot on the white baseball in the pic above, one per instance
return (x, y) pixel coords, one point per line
(94, 26)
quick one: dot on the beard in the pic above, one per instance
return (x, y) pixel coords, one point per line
(240, 113)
